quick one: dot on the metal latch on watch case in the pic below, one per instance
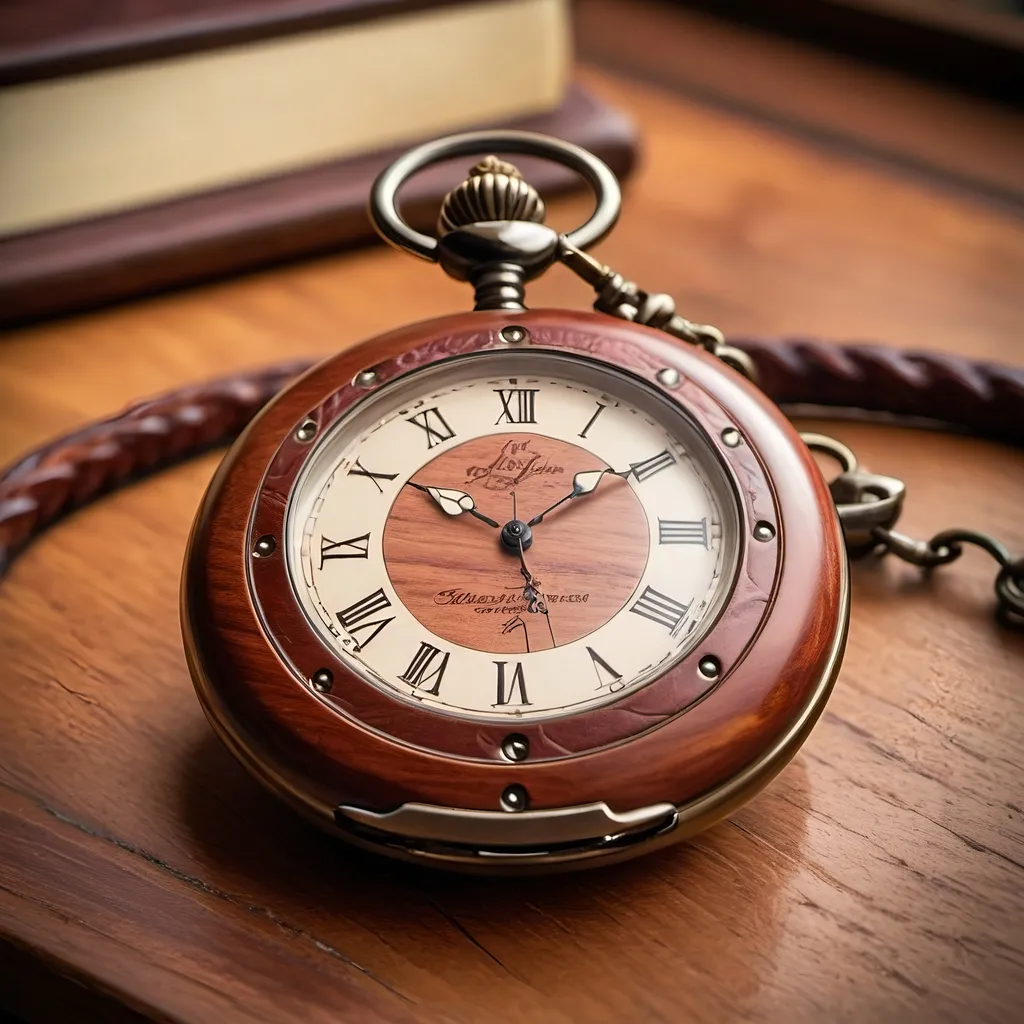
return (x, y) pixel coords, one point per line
(527, 835)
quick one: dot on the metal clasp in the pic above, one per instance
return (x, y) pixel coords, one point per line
(869, 506)
(866, 502)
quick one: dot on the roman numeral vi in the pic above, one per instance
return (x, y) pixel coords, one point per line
(518, 682)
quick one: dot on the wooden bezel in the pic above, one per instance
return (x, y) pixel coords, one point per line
(252, 651)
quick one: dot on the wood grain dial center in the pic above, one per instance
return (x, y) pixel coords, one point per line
(458, 580)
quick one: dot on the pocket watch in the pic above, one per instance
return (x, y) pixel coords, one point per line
(521, 590)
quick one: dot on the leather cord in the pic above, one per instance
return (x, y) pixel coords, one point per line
(70, 471)
(978, 397)
(74, 469)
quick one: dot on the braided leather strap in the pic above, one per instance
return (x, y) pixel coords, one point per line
(979, 397)
(984, 398)
(72, 470)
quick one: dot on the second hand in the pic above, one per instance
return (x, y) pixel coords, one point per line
(535, 599)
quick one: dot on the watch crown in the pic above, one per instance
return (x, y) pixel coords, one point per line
(494, 190)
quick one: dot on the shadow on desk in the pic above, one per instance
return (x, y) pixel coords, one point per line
(568, 933)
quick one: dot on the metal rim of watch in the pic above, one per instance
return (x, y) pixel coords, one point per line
(383, 206)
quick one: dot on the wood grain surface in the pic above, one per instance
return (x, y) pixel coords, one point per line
(879, 878)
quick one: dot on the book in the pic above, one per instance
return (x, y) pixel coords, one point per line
(86, 142)
(308, 212)
(144, 144)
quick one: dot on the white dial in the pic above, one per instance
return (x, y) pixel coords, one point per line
(512, 536)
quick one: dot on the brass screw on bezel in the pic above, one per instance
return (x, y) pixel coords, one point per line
(710, 667)
(322, 680)
(514, 335)
(264, 547)
(515, 798)
(516, 747)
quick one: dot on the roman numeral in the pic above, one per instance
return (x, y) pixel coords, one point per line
(517, 682)
(597, 412)
(660, 609)
(655, 464)
(523, 399)
(354, 617)
(422, 670)
(610, 678)
(357, 547)
(359, 470)
(434, 425)
(681, 531)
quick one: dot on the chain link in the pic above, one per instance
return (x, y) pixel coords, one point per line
(623, 299)
(869, 506)
(947, 546)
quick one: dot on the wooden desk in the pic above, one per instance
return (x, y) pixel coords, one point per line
(880, 878)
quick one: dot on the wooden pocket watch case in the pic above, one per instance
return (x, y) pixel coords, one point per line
(390, 767)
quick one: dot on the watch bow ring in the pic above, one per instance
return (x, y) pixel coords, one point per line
(494, 199)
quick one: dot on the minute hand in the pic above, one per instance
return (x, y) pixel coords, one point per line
(582, 483)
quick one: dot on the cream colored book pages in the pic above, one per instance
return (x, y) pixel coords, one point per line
(108, 140)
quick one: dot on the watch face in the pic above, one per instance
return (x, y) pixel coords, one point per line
(512, 535)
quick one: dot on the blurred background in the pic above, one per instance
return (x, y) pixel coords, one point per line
(147, 144)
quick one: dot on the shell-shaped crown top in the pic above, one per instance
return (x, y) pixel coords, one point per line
(494, 190)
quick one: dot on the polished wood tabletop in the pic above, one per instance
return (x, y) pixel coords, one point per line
(879, 878)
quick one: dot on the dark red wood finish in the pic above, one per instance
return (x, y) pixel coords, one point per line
(775, 636)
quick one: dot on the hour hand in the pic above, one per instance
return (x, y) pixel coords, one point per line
(582, 483)
(454, 502)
